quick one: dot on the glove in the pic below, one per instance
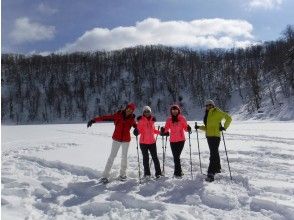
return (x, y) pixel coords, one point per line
(162, 131)
(196, 126)
(166, 134)
(221, 128)
(136, 132)
(90, 123)
(189, 129)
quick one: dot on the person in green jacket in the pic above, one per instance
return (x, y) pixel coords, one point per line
(213, 127)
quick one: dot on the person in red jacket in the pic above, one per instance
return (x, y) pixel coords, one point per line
(175, 126)
(124, 120)
(146, 129)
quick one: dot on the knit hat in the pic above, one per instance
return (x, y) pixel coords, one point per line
(146, 108)
(209, 102)
(131, 106)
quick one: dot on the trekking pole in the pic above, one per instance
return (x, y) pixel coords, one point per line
(227, 154)
(165, 149)
(163, 156)
(190, 156)
(198, 148)
(139, 170)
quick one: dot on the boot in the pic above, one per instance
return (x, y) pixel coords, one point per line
(122, 178)
(210, 177)
(104, 180)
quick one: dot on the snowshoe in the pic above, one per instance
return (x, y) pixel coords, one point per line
(209, 178)
(147, 177)
(104, 180)
(158, 176)
(178, 176)
(122, 178)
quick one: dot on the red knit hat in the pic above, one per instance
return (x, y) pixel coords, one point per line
(131, 106)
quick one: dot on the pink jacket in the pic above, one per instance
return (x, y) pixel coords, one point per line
(176, 129)
(147, 130)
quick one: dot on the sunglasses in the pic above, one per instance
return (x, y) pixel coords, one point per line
(208, 105)
(147, 111)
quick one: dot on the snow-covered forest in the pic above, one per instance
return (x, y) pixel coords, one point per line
(254, 82)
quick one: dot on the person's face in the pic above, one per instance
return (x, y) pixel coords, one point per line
(146, 113)
(129, 111)
(209, 106)
(175, 111)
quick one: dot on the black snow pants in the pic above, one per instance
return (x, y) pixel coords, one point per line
(177, 148)
(152, 148)
(214, 160)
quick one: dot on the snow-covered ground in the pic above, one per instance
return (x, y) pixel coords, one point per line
(51, 172)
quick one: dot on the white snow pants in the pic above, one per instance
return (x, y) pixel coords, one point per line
(124, 158)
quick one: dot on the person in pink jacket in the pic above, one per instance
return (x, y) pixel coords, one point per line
(146, 129)
(175, 126)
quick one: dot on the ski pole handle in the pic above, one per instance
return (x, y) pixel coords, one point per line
(158, 128)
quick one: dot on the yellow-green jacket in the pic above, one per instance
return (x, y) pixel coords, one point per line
(214, 118)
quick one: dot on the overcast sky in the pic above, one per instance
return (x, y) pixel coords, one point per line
(32, 26)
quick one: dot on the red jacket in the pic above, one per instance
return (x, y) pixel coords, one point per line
(176, 129)
(147, 130)
(122, 124)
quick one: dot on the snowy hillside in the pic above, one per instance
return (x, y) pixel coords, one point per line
(51, 172)
(253, 83)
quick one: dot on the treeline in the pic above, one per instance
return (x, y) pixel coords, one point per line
(74, 87)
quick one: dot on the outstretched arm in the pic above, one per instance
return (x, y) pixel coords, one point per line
(201, 127)
(101, 118)
(104, 118)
